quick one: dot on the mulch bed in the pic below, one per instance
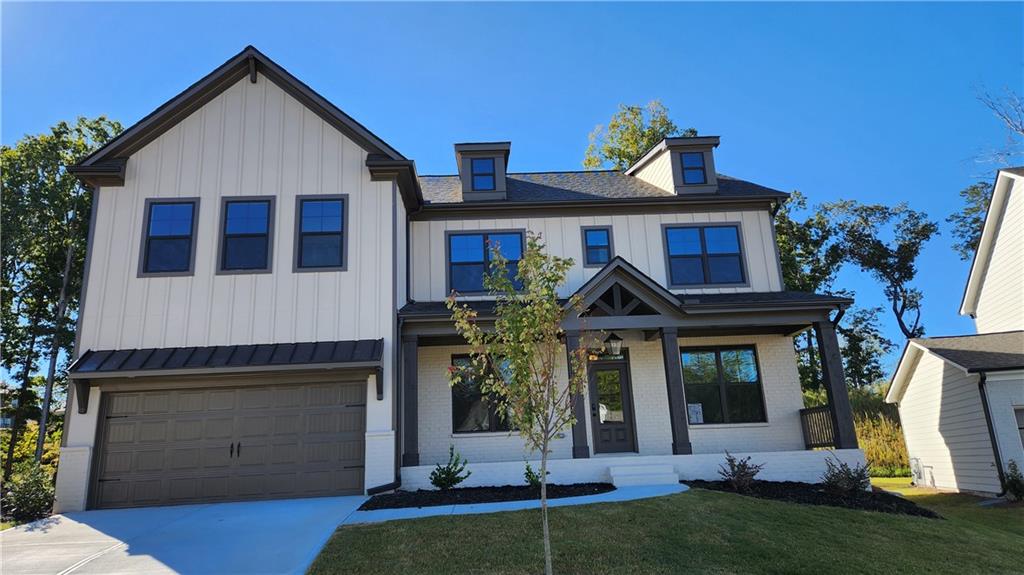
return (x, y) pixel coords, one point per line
(811, 494)
(425, 498)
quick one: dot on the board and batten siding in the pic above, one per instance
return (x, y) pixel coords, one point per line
(1001, 301)
(638, 238)
(945, 429)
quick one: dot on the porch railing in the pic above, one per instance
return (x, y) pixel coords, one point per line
(817, 425)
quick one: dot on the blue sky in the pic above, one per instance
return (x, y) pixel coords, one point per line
(873, 102)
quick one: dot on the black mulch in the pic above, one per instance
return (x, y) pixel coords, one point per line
(812, 494)
(425, 498)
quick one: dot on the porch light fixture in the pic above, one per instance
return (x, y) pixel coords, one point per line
(614, 344)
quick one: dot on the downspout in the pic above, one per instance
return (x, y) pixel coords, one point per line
(991, 433)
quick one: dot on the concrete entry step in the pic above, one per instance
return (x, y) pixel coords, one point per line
(643, 475)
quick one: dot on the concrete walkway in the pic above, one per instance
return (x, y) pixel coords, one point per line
(265, 537)
(620, 494)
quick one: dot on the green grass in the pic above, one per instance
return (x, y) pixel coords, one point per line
(695, 532)
(961, 509)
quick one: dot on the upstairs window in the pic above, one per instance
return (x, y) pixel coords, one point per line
(472, 411)
(693, 168)
(704, 255)
(469, 258)
(245, 239)
(320, 245)
(597, 246)
(483, 174)
(722, 385)
(169, 239)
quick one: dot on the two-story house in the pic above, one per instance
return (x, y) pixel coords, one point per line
(264, 317)
(961, 398)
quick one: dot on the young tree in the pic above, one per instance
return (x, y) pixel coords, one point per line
(518, 363)
(969, 221)
(864, 346)
(632, 131)
(885, 242)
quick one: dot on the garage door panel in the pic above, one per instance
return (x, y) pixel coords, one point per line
(156, 403)
(220, 400)
(220, 428)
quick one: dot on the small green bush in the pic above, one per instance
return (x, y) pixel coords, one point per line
(30, 496)
(739, 473)
(532, 477)
(1013, 483)
(841, 479)
(445, 477)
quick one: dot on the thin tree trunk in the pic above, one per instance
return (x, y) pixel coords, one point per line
(58, 324)
(19, 421)
(544, 507)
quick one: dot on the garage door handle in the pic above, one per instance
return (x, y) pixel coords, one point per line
(232, 451)
(239, 448)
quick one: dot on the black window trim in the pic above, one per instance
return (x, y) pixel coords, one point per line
(271, 216)
(493, 419)
(493, 174)
(583, 243)
(297, 239)
(703, 168)
(487, 254)
(745, 282)
(718, 349)
(147, 212)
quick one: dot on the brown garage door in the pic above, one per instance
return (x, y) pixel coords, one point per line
(226, 444)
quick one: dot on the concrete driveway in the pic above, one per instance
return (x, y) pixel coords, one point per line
(249, 537)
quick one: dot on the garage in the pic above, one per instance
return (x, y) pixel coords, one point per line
(287, 429)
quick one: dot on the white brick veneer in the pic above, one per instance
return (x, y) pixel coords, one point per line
(73, 488)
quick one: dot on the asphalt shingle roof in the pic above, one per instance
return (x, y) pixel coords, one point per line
(982, 352)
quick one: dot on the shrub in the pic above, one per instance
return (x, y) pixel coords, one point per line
(881, 439)
(842, 479)
(30, 495)
(532, 477)
(740, 473)
(453, 473)
(1013, 483)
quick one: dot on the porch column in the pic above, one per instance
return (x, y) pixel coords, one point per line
(835, 386)
(676, 396)
(410, 409)
(580, 449)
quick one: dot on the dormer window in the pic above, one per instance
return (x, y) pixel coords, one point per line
(693, 168)
(483, 174)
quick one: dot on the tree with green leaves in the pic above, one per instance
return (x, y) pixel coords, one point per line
(632, 131)
(885, 241)
(863, 347)
(969, 221)
(518, 363)
(45, 216)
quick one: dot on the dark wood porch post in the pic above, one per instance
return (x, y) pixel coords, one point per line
(676, 396)
(835, 386)
(410, 388)
(580, 449)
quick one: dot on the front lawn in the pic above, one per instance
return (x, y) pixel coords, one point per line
(694, 532)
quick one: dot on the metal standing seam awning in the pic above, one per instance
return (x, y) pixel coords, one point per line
(149, 362)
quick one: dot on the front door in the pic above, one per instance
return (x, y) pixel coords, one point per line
(611, 407)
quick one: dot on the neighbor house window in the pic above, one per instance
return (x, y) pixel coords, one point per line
(320, 241)
(472, 410)
(469, 258)
(245, 235)
(704, 255)
(169, 240)
(483, 174)
(597, 246)
(693, 168)
(722, 385)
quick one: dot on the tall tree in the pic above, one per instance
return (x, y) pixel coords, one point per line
(863, 347)
(44, 258)
(969, 221)
(1008, 107)
(632, 131)
(518, 363)
(886, 241)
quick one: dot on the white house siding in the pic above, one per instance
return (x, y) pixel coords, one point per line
(1001, 301)
(1005, 395)
(251, 140)
(945, 429)
(637, 238)
(658, 172)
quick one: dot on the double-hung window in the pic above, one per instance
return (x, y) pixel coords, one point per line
(693, 168)
(597, 246)
(722, 385)
(472, 410)
(470, 255)
(320, 237)
(169, 237)
(482, 172)
(704, 255)
(246, 234)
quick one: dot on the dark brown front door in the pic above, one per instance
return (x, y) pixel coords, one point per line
(611, 407)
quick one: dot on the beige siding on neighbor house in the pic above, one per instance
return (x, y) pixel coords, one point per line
(1001, 300)
(637, 238)
(1005, 399)
(945, 429)
(658, 172)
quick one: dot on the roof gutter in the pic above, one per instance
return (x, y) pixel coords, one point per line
(983, 390)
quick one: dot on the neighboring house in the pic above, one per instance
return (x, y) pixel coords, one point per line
(961, 398)
(264, 316)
